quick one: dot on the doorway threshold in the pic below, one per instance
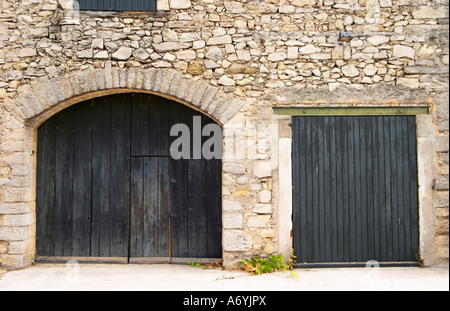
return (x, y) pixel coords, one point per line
(371, 264)
(126, 260)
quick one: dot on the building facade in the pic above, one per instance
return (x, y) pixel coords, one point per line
(254, 68)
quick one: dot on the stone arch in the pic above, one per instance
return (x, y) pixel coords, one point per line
(44, 97)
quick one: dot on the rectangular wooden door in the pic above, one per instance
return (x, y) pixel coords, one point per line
(355, 190)
(83, 181)
(150, 208)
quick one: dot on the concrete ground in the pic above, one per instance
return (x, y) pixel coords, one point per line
(89, 277)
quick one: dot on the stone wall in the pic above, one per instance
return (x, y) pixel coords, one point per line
(258, 53)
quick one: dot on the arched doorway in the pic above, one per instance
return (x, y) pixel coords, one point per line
(108, 188)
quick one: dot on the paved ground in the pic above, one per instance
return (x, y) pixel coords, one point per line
(89, 277)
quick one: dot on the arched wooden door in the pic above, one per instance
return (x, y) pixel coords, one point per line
(109, 190)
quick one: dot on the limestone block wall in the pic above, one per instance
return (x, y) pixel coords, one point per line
(234, 60)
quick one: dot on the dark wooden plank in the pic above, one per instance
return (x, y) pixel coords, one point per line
(388, 183)
(340, 191)
(413, 190)
(137, 207)
(405, 191)
(82, 180)
(303, 199)
(179, 186)
(203, 202)
(120, 174)
(179, 209)
(109, 4)
(197, 208)
(152, 5)
(382, 190)
(327, 190)
(395, 153)
(333, 188)
(358, 190)
(363, 188)
(63, 216)
(45, 191)
(375, 222)
(101, 225)
(164, 207)
(140, 125)
(370, 188)
(151, 202)
(370, 121)
(213, 200)
(352, 145)
(321, 187)
(92, 4)
(309, 227)
(315, 188)
(168, 108)
(136, 5)
(402, 167)
(346, 192)
(214, 208)
(159, 132)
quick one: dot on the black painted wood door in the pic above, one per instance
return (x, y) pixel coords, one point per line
(355, 190)
(108, 187)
